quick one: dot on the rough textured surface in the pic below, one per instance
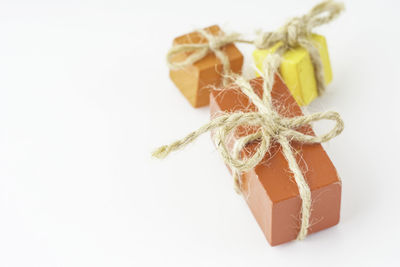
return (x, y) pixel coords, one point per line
(269, 189)
(195, 81)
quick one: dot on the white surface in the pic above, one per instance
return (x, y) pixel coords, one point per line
(85, 96)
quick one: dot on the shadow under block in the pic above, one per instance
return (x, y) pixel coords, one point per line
(297, 70)
(269, 188)
(196, 80)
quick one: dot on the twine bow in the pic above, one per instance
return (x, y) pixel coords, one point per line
(198, 51)
(297, 32)
(272, 127)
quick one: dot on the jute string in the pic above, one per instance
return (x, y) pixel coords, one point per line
(296, 32)
(215, 43)
(272, 127)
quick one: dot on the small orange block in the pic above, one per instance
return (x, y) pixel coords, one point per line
(196, 80)
(269, 188)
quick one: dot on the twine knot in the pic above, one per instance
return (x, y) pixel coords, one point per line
(197, 51)
(215, 43)
(297, 31)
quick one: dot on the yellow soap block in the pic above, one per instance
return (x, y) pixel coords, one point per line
(297, 70)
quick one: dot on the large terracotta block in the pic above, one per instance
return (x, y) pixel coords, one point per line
(196, 80)
(269, 188)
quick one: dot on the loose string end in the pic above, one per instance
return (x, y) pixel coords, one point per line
(161, 152)
(237, 183)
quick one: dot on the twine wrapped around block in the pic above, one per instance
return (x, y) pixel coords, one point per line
(272, 127)
(198, 51)
(296, 32)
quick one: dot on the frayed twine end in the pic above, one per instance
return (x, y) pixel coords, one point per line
(161, 152)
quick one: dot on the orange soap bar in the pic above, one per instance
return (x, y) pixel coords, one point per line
(196, 80)
(269, 188)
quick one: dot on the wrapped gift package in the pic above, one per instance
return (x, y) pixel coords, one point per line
(297, 70)
(196, 80)
(269, 188)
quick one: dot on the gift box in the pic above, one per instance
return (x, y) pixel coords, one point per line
(195, 81)
(297, 70)
(269, 188)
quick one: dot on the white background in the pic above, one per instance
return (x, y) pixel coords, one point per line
(85, 96)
